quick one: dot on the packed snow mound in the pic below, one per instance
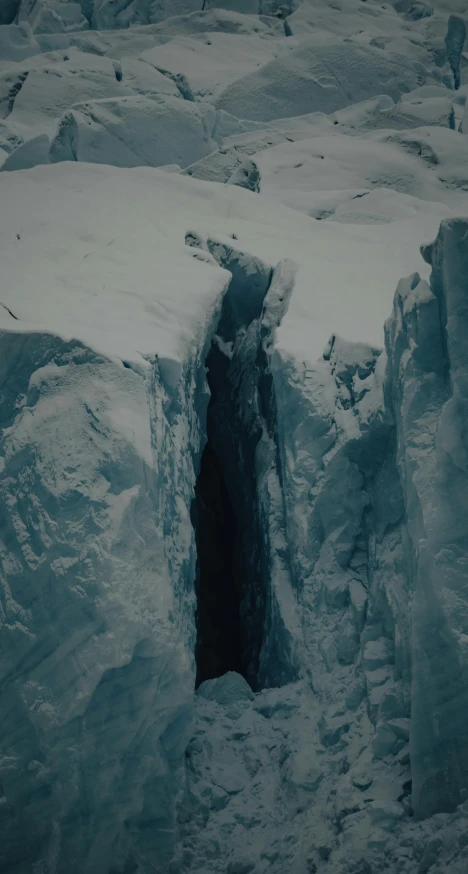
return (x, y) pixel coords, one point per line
(67, 68)
(318, 78)
(143, 79)
(221, 165)
(104, 256)
(345, 20)
(439, 148)
(437, 111)
(53, 16)
(135, 131)
(257, 136)
(113, 200)
(222, 20)
(29, 154)
(16, 43)
(337, 169)
(229, 688)
(210, 62)
(108, 14)
(45, 87)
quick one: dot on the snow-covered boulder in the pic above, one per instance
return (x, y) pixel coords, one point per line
(437, 111)
(52, 16)
(29, 154)
(16, 43)
(209, 63)
(338, 172)
(144, 79)
(222, 20)
(48, 86)
(108, 14)
(131, 131)
(313, 78)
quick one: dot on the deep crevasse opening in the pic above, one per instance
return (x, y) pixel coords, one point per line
(218, 584)
(240, 626)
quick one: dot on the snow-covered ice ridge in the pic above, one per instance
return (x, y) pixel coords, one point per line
(218, 470)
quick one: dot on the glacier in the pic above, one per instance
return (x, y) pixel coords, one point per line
(233, 439)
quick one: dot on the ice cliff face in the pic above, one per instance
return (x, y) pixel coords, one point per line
(98, 460)
(95, 666)
(427, 357)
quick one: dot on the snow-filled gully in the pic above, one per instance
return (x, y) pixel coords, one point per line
(239, 624)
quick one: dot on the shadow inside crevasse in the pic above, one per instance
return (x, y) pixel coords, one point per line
(218, 647)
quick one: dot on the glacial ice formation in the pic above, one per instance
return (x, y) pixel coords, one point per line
(454, 42)
(134, 131)
(373, 470)
(233, 536)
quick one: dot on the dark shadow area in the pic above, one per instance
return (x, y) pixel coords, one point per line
(238, 624)
(218, 589)
(9, 10)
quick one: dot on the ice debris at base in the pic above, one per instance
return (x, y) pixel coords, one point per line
(198, 393)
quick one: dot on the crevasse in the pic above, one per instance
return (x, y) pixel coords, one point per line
(370, 474)
(343, 492)
(244, 587)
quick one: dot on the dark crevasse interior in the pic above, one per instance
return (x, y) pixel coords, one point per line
(229, 583)
(230, 579)
(239, 624)
(218, 586)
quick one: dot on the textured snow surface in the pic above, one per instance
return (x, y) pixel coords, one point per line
(205, 210)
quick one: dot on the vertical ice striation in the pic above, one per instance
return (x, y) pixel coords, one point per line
(454, 42)
(428, 383)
